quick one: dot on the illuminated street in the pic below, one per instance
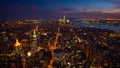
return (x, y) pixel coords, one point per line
(59, 33)
(65, 45)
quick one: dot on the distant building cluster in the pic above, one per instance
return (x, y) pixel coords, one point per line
(57, 43)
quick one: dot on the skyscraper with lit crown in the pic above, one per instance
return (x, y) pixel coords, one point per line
(17, 46)
(33, 45)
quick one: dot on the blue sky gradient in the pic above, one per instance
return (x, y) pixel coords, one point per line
(17, 9)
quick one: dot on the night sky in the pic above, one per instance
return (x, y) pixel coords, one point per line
(35, 9)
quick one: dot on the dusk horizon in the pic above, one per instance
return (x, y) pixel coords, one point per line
(59, 33)
(36, 9)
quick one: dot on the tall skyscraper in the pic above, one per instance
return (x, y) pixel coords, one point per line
(64, 18)
(33, 45)
(17, 46)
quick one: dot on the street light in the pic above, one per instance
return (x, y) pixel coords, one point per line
(29, 53)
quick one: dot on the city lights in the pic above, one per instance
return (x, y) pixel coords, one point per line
(59, 34)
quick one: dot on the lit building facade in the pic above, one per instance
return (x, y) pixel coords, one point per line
(33, 44)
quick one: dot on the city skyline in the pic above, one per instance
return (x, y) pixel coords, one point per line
(34, 9)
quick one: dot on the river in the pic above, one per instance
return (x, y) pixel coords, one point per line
(99, 26)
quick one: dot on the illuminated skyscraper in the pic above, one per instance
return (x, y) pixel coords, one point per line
(17, 46)
(17, 43)
(64, 18)
(34, 43)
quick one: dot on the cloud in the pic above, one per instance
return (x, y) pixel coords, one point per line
(94, 15)
(111, 11)
(113, 1)
(35, 12)
(89, 12)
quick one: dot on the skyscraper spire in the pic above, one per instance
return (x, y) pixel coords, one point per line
(34, 34)
(17, 47)
(64, 17)
(33, 44)
(17, 43)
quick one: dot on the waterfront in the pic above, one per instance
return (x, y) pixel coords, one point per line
(60, 34)
(95, 25)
